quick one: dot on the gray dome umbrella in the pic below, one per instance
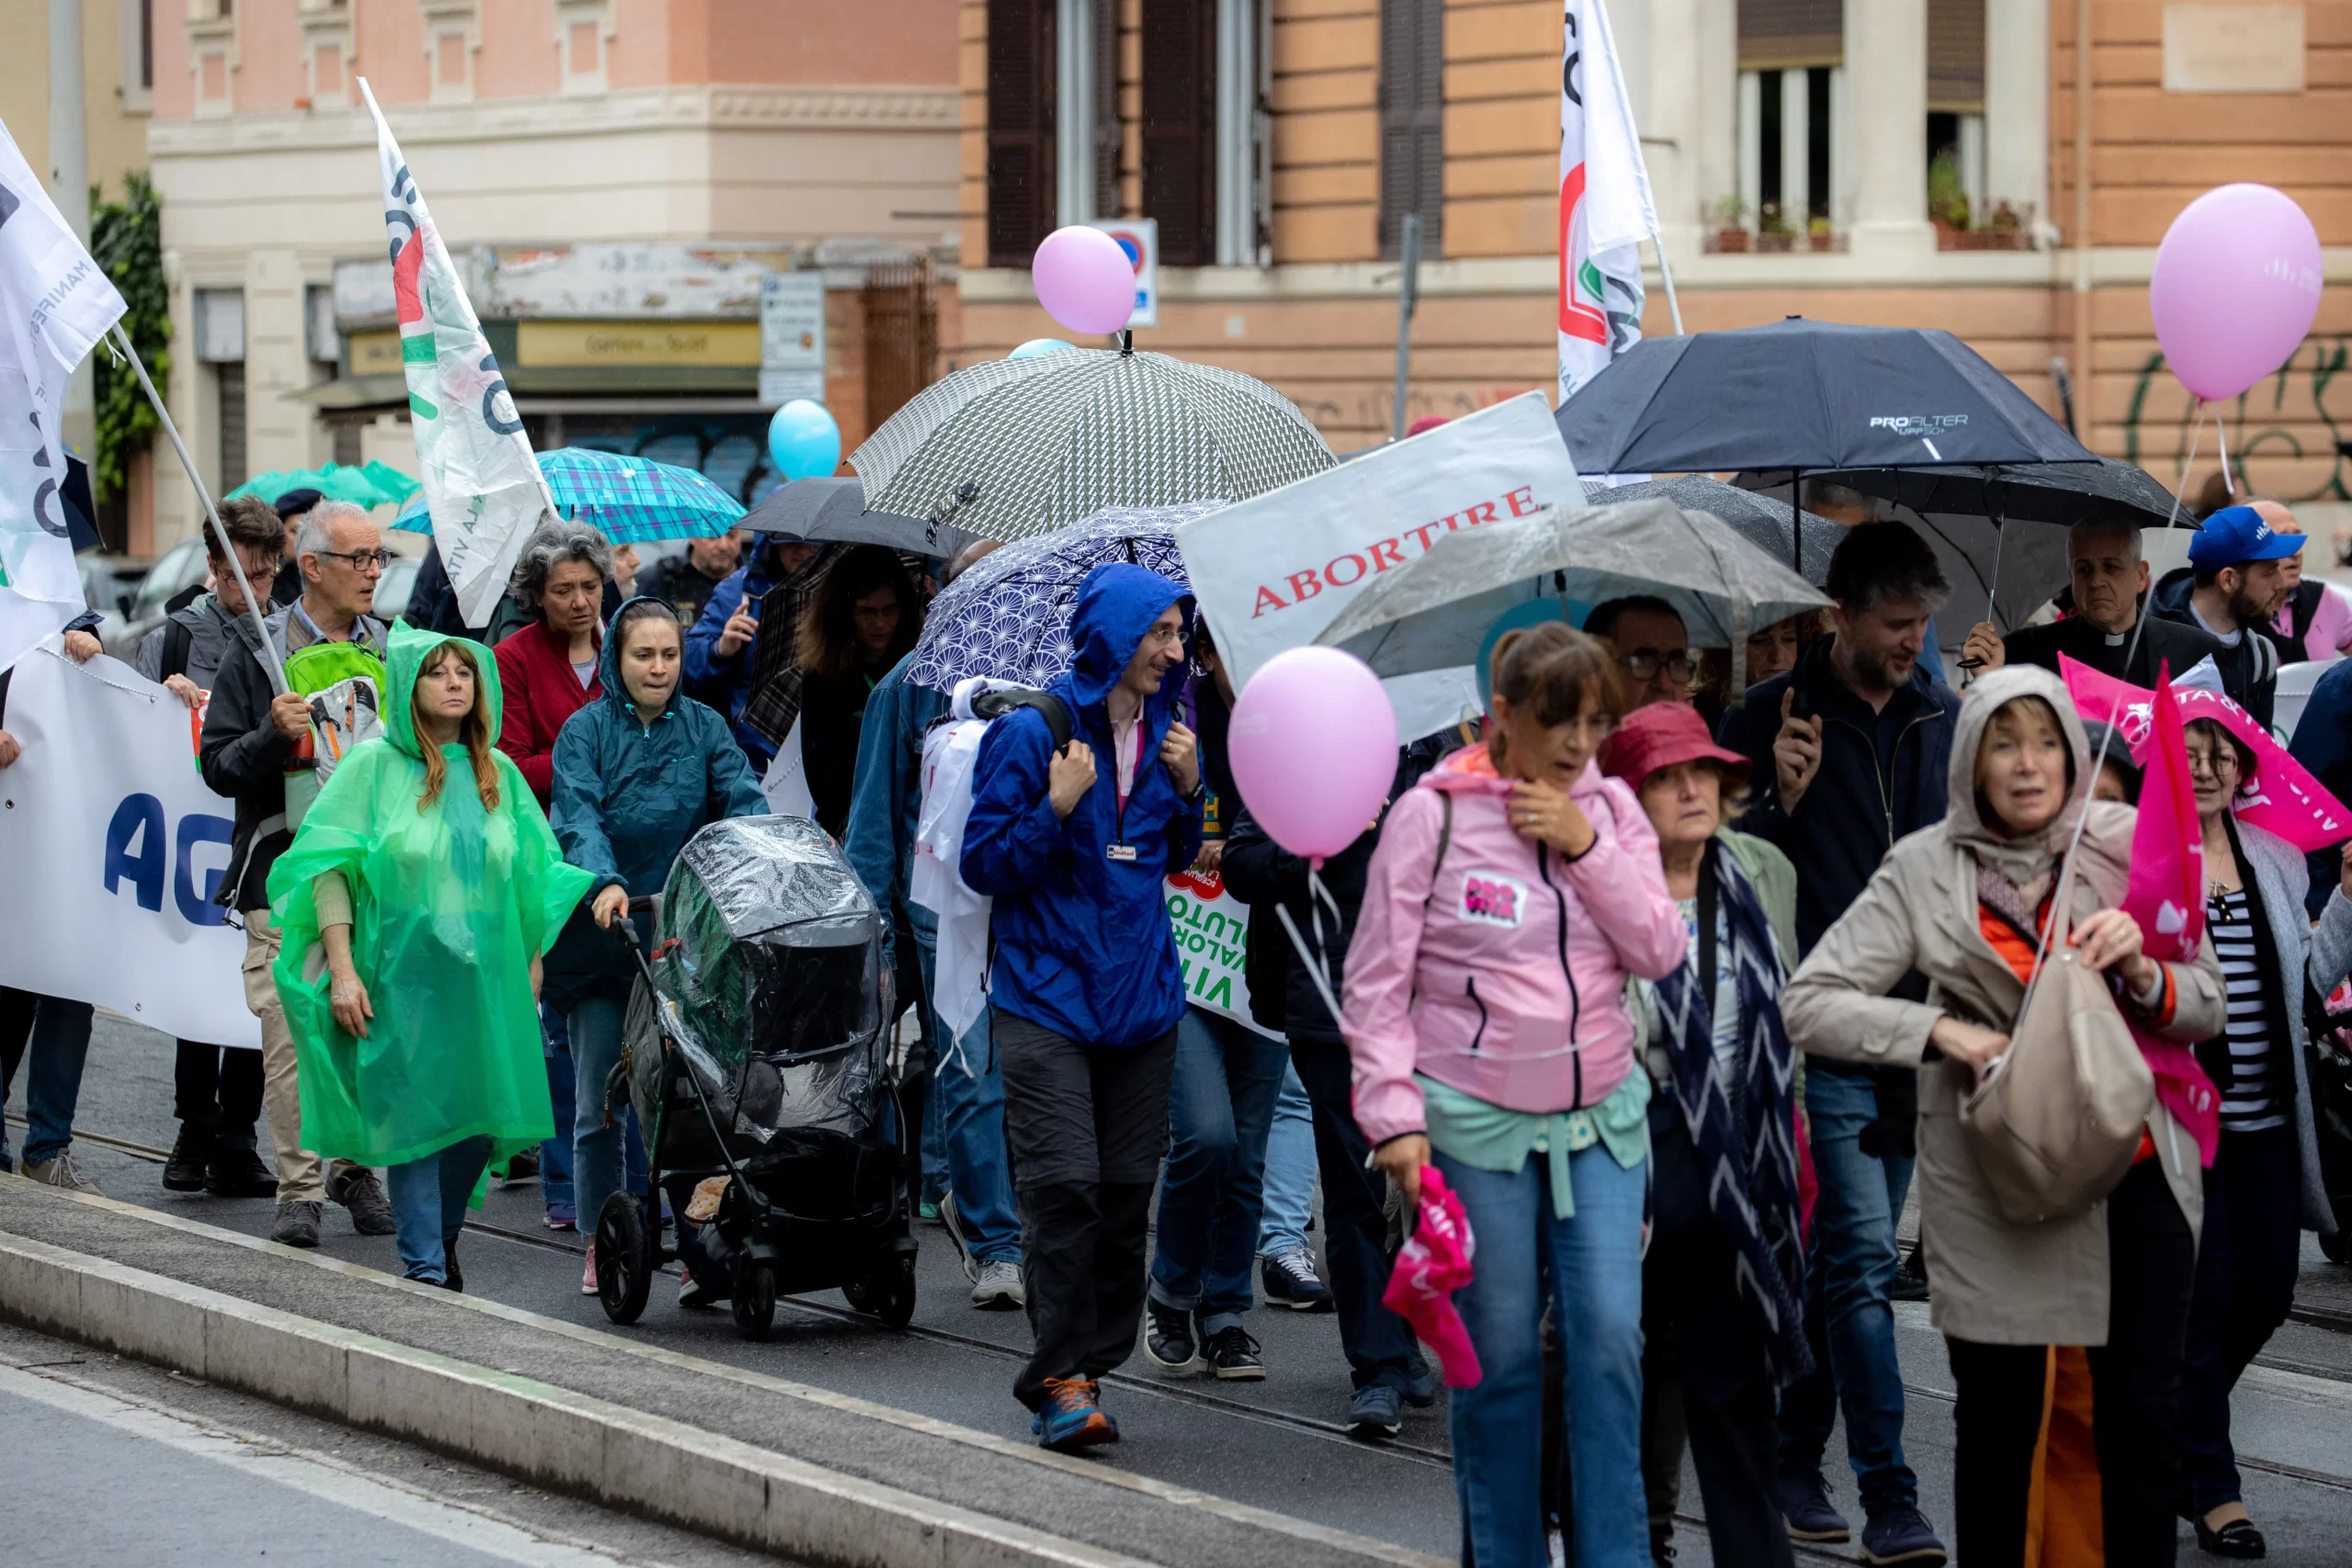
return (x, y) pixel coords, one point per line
(1434, 612)
(1760, 520)
(1049, 441)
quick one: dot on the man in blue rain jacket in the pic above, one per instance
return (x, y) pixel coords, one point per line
(1085, 988)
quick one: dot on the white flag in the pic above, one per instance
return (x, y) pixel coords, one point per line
(482, 484)
(1605, 205)
(58, 304)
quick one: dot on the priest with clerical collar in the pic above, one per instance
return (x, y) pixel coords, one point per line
(2109, 582)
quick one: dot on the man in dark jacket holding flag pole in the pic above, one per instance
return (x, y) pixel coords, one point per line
(1085, 988)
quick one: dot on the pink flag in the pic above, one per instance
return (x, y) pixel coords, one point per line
(2167, 897)
(2282, 796)
(1432, 1265)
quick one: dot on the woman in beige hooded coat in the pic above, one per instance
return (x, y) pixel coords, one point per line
(1962, 902)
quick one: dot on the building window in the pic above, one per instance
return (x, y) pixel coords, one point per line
(584, 32)
(1792, 103)
(900, 305)
(1244, 148)
(138, 35)
(229, 386)
(452, 32)
(1412, 123)
(1020, 120)
(1180, 125)
(1956, 115)
(220, 343)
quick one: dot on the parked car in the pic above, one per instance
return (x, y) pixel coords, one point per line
(178, 569)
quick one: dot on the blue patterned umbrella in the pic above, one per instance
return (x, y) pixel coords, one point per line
(629, 500)
(1008, 616)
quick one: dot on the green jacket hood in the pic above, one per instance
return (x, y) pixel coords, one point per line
(404, 659)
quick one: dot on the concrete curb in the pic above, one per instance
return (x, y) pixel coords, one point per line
(552, 1436)
(1276, 1526)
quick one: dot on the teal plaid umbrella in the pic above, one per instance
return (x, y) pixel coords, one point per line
(629, 500)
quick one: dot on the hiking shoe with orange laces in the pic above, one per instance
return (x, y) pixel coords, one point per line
(1072, 1416)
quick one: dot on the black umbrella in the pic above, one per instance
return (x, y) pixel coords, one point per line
(2064, 493)
(830, 510)
(1806, 396)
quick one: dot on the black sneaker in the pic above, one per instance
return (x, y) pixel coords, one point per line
(1806, 1508)
(1289, 1280)
(191, 1152)
(297, 1224)
(452, 1276)
(363, 1195)
(1910, 1282)
(1376, 1411)
(1233, 1354)
(1900, 1534)
(1167, 1338)
(237, 1173)
(1421, 1381)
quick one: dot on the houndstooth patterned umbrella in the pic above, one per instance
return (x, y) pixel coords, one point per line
(1047, 441)
(1008, 616)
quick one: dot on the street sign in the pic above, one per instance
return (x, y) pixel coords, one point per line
(1139, 237)
(792, 337)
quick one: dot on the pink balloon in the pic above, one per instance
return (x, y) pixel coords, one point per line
(1084, 280)
(2235, 287)
(1314, 748)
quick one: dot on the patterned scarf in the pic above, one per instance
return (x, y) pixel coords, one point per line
(1745, 1131)
(775, 702)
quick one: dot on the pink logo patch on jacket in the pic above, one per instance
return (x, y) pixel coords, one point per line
(1492, 900)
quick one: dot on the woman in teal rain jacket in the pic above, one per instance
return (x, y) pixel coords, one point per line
(638, 772)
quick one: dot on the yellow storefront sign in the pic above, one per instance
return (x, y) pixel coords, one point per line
(595, 345)
(375, 354)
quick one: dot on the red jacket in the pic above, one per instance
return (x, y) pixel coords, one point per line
(540, 693)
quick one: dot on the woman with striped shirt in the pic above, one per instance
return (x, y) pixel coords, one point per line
(2264, 1189)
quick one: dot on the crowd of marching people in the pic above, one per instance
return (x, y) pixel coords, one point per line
(1676, 982)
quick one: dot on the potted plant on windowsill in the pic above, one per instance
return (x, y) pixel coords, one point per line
(1817, 234)
(1731, 224)
(1773, 233)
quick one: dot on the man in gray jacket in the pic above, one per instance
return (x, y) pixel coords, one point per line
(217, 1089)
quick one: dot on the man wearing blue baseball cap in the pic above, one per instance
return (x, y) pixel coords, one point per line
(2232, 587)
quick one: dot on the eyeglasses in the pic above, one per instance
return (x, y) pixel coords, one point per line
(1646, 662)
(360, 560)
(2214, 762)
(874, 615)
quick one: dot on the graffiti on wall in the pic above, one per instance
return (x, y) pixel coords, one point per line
(2270, 427)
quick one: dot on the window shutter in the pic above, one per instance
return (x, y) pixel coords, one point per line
(1021, 129)
(1956, 56)
(1179, 127)
(1412, 123)
(1109, 144)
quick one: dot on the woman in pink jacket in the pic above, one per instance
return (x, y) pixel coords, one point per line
(1514, 892)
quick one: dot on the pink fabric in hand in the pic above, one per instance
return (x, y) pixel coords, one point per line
(1434, 1263)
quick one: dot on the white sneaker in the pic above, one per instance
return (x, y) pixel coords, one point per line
(588, 1277)
(954, 1223)
(59, 1170)
(998, 1287)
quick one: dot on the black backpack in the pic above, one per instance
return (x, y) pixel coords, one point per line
(998, 701)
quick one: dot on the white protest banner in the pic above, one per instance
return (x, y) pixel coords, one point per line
(1212, 932)
(113, 848)
(1270, 572)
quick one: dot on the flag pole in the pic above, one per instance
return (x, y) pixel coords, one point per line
(1665, 275)
(253, 606)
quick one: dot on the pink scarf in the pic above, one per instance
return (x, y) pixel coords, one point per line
(1433, 1263)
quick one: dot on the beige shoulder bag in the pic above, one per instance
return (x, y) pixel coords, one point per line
(2055, 1119)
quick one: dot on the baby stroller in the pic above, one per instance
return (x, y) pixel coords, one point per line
(756, 1052)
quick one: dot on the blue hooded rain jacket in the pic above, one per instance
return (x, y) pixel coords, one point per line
(1082, 941)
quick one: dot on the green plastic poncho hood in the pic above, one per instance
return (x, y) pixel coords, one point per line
(450, 903)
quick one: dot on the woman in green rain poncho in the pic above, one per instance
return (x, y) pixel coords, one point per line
(416, 900)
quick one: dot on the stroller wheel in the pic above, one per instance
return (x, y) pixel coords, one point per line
(624, 1258)
(894, 1292)
(754, 1300)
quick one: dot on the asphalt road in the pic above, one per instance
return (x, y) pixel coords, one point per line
(1275, 1444)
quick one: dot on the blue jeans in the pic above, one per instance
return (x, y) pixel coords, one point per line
(1847, 1308)
(967, 1099)
(563, 1089)
(429, 1204)
(57, 1046)
(1220, 1107)
(1290, 1170)
(604, 1158)
(1596, 1264)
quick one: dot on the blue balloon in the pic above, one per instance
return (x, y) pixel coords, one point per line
(804, 440)
(1037, 346)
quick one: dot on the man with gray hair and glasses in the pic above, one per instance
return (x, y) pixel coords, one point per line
(2110, 581)
(253, 738)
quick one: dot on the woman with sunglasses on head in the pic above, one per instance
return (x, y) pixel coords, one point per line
(1513, 893)
(2264, 1189)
